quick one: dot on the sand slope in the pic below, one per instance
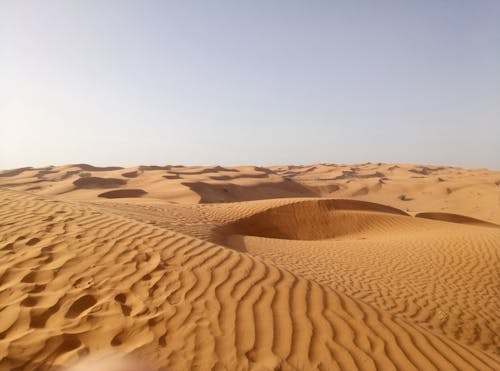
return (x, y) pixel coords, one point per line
(442, 276)
(76, 281)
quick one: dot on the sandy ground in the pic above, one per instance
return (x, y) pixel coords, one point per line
(321, 267)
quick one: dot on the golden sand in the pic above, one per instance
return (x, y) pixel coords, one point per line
(317, 267)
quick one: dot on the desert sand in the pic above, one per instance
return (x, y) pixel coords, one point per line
(320, 267)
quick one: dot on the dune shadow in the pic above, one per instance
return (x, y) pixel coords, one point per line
(41, 174)
(154, 167)
(456, 218)
(92, 182)
(207, 170)
(14, 172)
(214, 193)
(241, 176)
(123, 193)
(353, 174)
(131, 174)
(87, 167)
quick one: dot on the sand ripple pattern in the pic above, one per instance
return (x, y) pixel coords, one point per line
(442, 276)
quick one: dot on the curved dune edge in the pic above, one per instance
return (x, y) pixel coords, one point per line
(87, 282)
(456, 218)
(313, 220)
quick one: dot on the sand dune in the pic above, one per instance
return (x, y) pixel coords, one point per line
(441, 277)
(413, 188)
(251, 268)
(314, 220)
(87, 281)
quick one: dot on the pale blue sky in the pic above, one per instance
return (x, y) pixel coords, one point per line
(249, 82)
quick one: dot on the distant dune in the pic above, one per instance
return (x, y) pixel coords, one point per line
(412, 188)
(320, 267)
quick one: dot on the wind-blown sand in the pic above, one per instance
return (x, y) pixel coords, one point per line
(324, 267)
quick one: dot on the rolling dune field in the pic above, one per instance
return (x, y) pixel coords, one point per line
(320, 267)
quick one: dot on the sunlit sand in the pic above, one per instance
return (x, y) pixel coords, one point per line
(372, 266)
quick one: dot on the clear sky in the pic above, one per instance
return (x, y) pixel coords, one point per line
(249, 82)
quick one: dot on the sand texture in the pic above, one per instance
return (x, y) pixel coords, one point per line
(321, 267)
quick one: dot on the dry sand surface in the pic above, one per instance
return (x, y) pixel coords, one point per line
(321, 267)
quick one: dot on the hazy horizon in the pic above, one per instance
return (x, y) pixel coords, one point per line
(229, 165)
(124, 83)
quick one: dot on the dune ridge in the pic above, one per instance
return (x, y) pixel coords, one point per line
(313, 220)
